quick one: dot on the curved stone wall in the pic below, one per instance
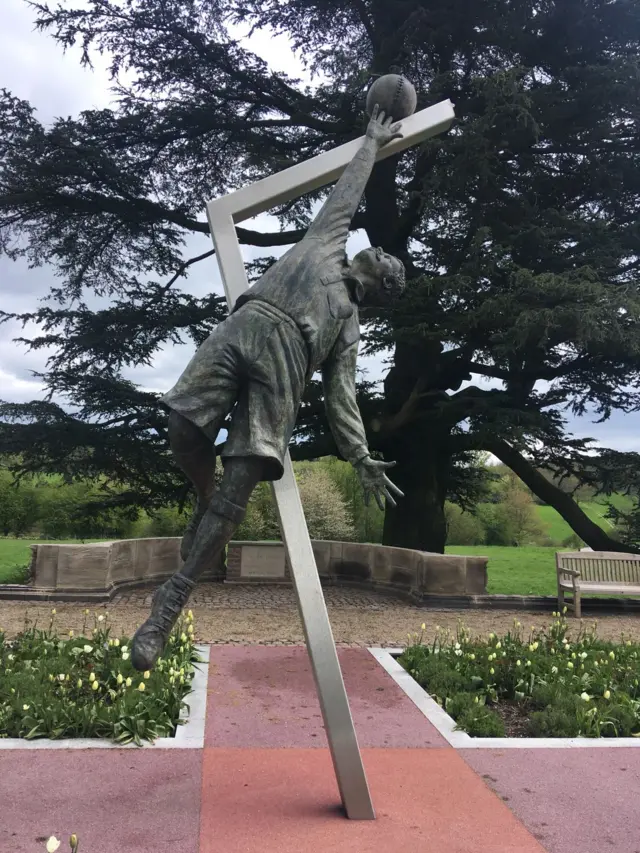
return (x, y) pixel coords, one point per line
(99, 570)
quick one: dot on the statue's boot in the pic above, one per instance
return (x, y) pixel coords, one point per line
(150, 639)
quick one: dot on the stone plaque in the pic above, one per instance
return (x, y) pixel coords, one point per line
(262, 561)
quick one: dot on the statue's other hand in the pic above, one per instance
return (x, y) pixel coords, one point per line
(375, 482)
(381, 129)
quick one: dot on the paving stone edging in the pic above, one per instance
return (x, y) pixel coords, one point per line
(446, 725)
(188, 736)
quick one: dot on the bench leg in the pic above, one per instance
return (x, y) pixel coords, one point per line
(560, 598)
(577, 604)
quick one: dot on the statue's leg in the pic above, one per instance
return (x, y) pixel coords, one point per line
(226, 510)
(195, 455)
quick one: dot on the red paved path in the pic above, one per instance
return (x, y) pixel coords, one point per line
(264, 781)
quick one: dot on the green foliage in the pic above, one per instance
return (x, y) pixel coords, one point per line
(463, 528)
(367, 520)
(53, 508)
(166, 521)
(584, 688)
(481, 721)
(53, 687)
(572, 542)
(18, 504)
(553, 722)
(325, 508)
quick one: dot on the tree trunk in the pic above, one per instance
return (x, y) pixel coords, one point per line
(591, 533)
(419, 520)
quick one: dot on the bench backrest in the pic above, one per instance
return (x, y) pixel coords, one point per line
(602, 566)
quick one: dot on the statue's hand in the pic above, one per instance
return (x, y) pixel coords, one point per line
(381, 129)
(375, 482)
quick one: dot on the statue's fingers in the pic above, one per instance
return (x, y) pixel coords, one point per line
(388, 498)
(379, 500)
(375, 111)
(397, 136)
(388, 464)
(367, 498)
(381, 115)
(393, 487)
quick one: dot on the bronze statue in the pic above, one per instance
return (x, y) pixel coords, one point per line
(301, 316)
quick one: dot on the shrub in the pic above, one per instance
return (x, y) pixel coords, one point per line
(574, 542)
(553, 722)
(166, 521)
(368, 521)
(481, 722)
(463, 528)
(460, 703)
(324, 507)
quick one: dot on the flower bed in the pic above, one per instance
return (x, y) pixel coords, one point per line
(86, 687)
(543, 686)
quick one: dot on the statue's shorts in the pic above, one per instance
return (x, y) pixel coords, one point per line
(254, 367)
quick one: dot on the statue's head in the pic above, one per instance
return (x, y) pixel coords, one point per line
(382, 277)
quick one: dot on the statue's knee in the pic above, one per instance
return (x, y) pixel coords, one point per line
(232, 511)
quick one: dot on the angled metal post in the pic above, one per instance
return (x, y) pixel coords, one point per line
(223, 213)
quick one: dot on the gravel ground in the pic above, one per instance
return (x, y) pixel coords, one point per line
(268, 615)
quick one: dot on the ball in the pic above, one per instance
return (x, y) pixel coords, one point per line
(395, 95)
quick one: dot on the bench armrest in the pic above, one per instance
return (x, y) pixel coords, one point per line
(574, 572)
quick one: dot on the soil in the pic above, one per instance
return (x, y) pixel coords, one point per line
(515, 716)
(268, 615)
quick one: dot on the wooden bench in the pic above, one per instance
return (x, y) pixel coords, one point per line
(596, 573)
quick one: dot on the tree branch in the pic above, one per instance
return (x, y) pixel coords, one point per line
(183, 267)
(587, 530)
(547, 373)
(405, 414)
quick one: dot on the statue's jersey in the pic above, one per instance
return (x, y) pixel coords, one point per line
(301, 316)
(311, 281)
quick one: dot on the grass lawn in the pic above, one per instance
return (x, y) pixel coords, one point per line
(557, 528)
(516, 571)
(15, 556)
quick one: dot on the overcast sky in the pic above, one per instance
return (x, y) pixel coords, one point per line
(33, 66)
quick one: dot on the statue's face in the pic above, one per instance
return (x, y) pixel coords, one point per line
(382, 276)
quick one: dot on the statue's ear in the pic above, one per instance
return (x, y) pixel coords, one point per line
(357, 289)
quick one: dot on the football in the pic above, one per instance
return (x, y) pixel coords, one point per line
(395, 95)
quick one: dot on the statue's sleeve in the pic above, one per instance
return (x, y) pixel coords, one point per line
(333, 221)
(339, 385)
